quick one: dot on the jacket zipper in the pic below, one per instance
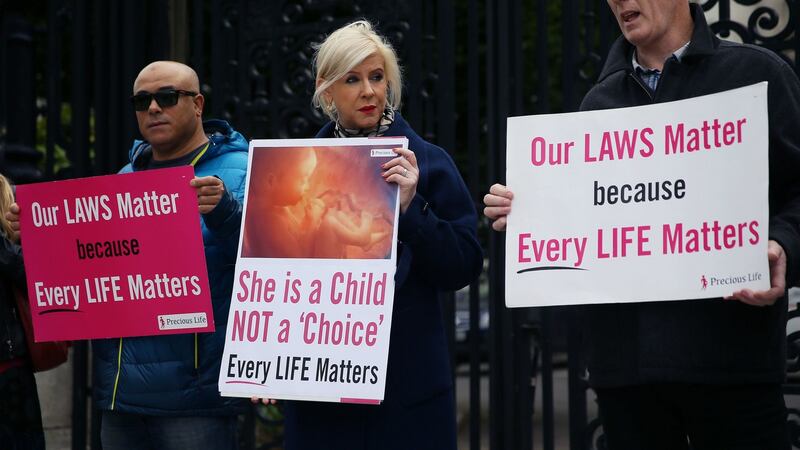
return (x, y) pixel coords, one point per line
(9, 342)
(641, 85)
(116, 379)
(193, 163)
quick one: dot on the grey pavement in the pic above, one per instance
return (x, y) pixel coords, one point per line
(561, 417)
(55, 397)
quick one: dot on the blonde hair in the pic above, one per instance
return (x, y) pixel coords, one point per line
(346, 48)
(6, 199)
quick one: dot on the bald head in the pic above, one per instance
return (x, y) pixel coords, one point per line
(180, 72)
(173, 126)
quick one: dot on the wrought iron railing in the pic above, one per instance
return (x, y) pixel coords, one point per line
(469, 64)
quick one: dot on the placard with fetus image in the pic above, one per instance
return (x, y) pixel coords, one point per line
(319, 202)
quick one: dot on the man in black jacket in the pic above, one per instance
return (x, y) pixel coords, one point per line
(704, 372)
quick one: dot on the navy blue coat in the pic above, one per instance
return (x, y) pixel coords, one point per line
(177, 375)
(704, 341)
(437, 251)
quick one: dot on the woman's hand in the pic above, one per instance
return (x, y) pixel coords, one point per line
(266, 401)
(12, 216)
(498, 205)
(405, 173)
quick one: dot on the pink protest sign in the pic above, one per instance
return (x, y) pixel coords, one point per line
(313, 294)
(115, 256)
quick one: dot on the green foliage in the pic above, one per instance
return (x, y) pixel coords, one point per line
(269, 427)
(61, 160)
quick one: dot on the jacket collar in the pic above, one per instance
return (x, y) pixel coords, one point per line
(398, 128)
(703, 44)
(218, 131)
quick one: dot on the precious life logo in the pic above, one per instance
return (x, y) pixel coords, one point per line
(181, 321)
(703, 282)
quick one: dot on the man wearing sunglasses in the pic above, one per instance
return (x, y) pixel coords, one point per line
(160, 392)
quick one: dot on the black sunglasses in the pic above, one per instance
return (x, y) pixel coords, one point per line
(165, 98)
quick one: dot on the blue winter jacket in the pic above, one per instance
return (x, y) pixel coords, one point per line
(177, 374)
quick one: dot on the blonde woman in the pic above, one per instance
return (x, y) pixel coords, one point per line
(359, 87)
(20, 415)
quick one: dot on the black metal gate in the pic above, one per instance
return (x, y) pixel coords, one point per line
(469, 64)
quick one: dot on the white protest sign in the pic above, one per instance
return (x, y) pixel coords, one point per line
(660, 202)
(311, 310)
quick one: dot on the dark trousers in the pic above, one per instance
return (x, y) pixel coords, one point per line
(427, 425)
(121, 431)
(697, 417)
(20, 416)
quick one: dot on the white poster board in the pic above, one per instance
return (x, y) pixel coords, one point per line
(652, 203)
(311, 311)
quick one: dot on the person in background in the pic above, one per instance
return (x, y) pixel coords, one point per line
(702, 373)
(20, 414)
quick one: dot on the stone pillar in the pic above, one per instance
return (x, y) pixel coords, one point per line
(55, 397)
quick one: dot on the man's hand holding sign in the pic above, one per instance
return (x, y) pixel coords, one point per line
(209, 192)
(777, 278)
